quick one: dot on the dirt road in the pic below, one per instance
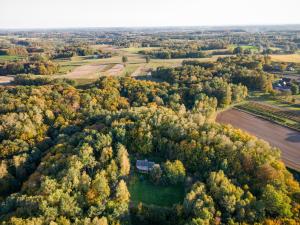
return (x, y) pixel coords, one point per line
(287, 140)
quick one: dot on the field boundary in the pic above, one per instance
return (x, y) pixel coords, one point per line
(265, 118)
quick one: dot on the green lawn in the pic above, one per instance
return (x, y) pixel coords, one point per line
(137, 49)
(267, 98)
(244, 47)
(142, 190)
(10, 57)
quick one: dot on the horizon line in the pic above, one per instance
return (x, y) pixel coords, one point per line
(150, 26)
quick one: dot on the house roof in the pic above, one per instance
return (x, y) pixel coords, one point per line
(144, 164)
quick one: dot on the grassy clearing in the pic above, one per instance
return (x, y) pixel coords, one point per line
(280, 102)
(10, 57)
(142, 190)
(137, 49)
(244, 47)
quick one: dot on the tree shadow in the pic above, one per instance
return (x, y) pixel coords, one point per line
(294, 137)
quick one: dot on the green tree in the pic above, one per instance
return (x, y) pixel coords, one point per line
(276, 202)
(123, 160)
(294, 89)
(147, 59)
(124, 59)
(199, 205)
(174, 172)
(156, 173)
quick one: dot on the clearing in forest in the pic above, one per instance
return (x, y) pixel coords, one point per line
(142, 190)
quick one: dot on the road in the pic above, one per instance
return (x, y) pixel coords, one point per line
(287, 140)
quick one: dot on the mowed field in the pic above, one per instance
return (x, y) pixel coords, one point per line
(287, 140)
(295, 58)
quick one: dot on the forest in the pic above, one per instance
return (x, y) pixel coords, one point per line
(68, 150)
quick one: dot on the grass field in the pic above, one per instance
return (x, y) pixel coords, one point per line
(142, 190)
(9, 57)
(136, 49)
(136, 65)
(281, 102)
(244, 47)
(295, 58)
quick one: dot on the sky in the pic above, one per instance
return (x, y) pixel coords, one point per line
(145, 13)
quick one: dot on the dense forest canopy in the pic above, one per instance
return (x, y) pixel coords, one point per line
(68, 152)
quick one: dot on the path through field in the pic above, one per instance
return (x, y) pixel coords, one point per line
(287, 140)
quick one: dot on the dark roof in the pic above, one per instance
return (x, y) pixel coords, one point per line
(144, 164)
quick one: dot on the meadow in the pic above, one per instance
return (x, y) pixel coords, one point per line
(142, 190)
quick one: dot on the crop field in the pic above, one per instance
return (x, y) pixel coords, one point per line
(285, 117)
(89, 69)
(286, 103)
(287, 140)
(295, 58)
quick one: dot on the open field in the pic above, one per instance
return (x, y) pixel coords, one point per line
(85, 68)
(295, 58)
(142, 190)
(283, 102)
(244, 47)
(287, 140)
(9, 58)
(137, 49)
(5, 79)
(84, 72)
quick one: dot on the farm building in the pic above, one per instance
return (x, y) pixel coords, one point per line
(144, 166)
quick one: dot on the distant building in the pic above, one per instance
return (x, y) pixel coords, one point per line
(283, 84)
(144, 166)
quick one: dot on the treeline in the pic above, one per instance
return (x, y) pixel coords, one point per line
(19, 51)
(29, 67)
(194, 80)
(71, 51)
(245, 70)
(174, 54)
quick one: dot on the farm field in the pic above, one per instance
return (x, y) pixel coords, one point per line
(277, 114)
(287, 140)
(244, 47)
(5, 79)
(9, 58)
(85, 69)
(142, 190)
(295, 58)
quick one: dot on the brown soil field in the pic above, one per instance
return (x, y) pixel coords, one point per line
(287, 140)
(5, 79)
(84, 72)
(286, 58)
(115, 70)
